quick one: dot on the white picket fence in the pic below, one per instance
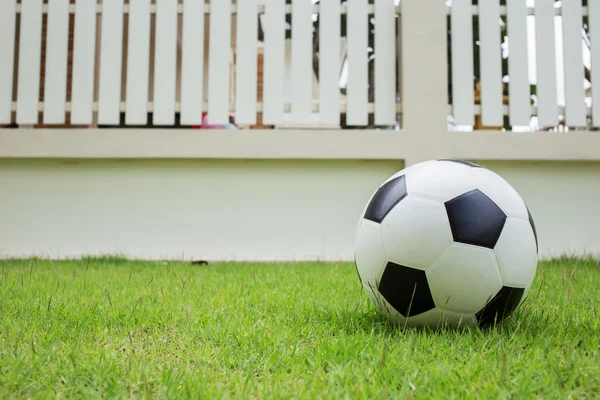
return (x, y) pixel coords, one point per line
(178, 86)
(174, 60)
(546, 44)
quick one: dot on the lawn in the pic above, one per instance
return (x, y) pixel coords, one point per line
(119, 328)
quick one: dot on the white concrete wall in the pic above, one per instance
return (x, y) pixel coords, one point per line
(563, 198)
(246, 210)
(210, 210)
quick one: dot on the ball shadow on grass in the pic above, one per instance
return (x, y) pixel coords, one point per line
(524, 322)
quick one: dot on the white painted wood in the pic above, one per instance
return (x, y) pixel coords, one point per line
(594, 18)
(358, 83)
(547, 98)
(28, 82)
(463, 96)
(424, 66)
(84, 60)
(318, 144)
(109, 95)
(7, 49)
(274, 61)
(385, 62)
(165, 63)
(57, 47)
(192, 63)
(219, 62)
(138, 62)
(329, 62)
(575, 107)
(246, 62)
(491, 63)
(301, 61)
(518, 63)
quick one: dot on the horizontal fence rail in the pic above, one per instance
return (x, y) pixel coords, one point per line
(524, 65)
(187, 63)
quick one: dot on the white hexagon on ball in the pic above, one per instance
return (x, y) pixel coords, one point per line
(416, 232)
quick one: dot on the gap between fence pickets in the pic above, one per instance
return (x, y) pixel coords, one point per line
(261, 8)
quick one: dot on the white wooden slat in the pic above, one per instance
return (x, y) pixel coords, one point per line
(218, 62)
(138, 61)
(111, 47)
(28, 82)
(575, 107)
(385, 62)
(57, 48)
(594, 18)
(84, 60)
(246, 62)
(192, 62)
(274, 61)
(165, 63)
(546, 89)
(329, 62)
(301, 78)
(518, 68)
(463, 96)
(491, 63)
(7, 49)
(358, 42)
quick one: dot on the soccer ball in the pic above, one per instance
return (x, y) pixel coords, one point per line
(446, 243)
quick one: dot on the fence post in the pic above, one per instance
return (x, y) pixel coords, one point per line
(425, 76)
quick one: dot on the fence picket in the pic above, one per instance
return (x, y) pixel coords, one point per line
(594, 16)
(302, 71)
(519, 100)
(138, 60)
(192, 62)
(491, 63)
(84, 59)
(358, 42)
(546, 90)
(575, 107)
(109, 95)
(165, 63)
(462, 63)
(329, 62)
(218, 61)
(246, 62)
(7, 46)
(385, 62)
(28, 82)
(57, 47)
(274, 61)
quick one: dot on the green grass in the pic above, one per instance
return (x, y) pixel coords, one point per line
(118, 328)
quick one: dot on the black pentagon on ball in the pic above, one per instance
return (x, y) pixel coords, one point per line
(386, 197)
(467, 163)
(500, 307)
(406, 289)
(475, 219)
(534, 230)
